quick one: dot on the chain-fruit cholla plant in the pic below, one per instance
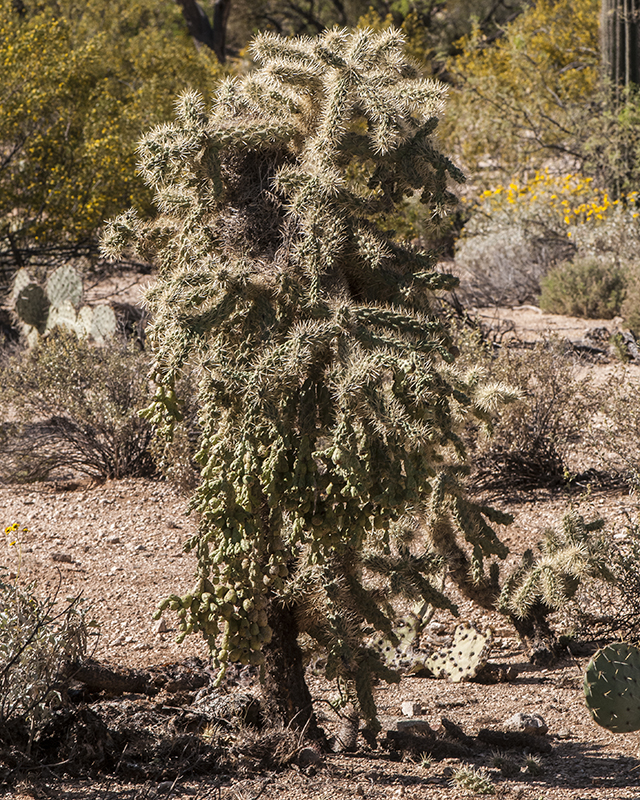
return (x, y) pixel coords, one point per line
(329, 399)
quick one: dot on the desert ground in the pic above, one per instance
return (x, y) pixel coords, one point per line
(119, 544)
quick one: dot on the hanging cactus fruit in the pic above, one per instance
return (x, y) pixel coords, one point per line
(612, 687)
(64, 286)
(32, 307)
(467, 655)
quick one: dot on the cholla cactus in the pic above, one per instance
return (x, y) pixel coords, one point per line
(544, 584)
(329, 402)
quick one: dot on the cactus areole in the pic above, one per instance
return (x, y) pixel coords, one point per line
(612, 687)
(329, 398)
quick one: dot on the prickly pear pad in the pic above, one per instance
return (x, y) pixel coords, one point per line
(466, 656)
(612, 687)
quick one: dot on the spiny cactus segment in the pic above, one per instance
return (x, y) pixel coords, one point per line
(64, 286)
(466, 656)
(40, 310)
(612, 687)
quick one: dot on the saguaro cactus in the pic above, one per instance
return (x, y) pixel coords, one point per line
(620, 41)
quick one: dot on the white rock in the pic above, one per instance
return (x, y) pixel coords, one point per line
(161, 626)
(526, 723)
(410, 708)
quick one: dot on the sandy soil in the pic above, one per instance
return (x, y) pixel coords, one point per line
(120, 545)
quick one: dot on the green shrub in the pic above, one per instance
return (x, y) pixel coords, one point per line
(72, 406)
(80, 82)
(585, 287)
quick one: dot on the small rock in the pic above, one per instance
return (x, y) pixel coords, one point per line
(118, 640)
(564, 733)
(410, 708)
(531, 724)
(113, 540)
(359, 790)
(436, 628)
(308, 756)
(161, 626)
(413, 726)
(141, 646)
(63, 558)
(399, 792)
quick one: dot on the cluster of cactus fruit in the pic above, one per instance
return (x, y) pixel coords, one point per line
(243, 617)
(40, 309)
(612, 687)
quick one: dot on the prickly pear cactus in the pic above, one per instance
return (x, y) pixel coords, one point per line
(64, 286)
(103, 323)
(466, 656)
(400, 654)
(40, 310)
(32, 306)
(612, 687)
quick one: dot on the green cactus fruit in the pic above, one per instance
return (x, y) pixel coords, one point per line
(104, 323)
(466, 656)
(612, 687)
(32, 306)
(62, 316)
(64, 286)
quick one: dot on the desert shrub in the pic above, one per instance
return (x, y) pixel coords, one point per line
(532, 440)
(39, 640)
(612, 434)
(72, 406)
(517, 233)
(584, 287)
(630, 308)
(612, 609)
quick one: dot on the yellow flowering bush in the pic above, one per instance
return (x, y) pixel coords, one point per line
(78, 84)
(519, 231)
(525, 96)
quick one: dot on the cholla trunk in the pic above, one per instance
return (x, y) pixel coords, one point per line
(286, 697)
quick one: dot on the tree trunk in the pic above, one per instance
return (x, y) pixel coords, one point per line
(212, 36)
(286, 697)
(620, 42)
(221, 10)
